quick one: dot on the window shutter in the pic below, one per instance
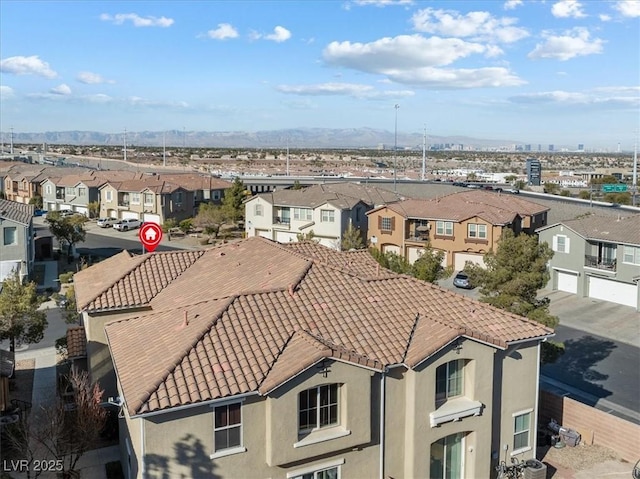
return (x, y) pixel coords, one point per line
(393, 223)
(566, 244)
(555, 243)
(379, 222)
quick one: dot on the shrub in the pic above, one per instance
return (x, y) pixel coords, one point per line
(66, 277)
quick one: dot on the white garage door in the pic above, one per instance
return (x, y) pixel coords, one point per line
(112, 213)
(149, 218)
(614, 291)
(82, 210)
(66, 207)
(460, 260)
(285, 237)
(390, 248)
(413, 254)
(51, 206)
(567, 282)
(263, 233)
(130, 215)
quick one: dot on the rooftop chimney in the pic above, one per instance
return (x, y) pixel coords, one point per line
(185, 321)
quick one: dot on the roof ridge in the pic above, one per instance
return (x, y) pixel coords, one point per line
(410, 338)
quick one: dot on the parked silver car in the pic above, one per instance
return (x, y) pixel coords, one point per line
(126, 224)
(106, 222)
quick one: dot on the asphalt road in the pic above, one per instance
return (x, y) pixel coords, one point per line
(600, 367)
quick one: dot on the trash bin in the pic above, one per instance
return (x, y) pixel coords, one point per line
(535, 470)
(570, 437)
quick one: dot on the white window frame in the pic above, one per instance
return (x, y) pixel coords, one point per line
(477, 231)
(631, 255)
(299, 473)
(257, 209)
(231, 450)
(47, 189)
(134, 198)
(145, 198)
(444, 228)
(108, 196)
(327, 216)
(448, 393)
(566, 244)
(318, 407)
(304, 214)
(515, 416)
(69, 190)
(15, 235)
(82, 191)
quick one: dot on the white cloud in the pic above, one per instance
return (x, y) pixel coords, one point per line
(90, 78)
(279, 35)
(224, 31)
(137, 20)
(381, 3)
(511, 4)
(27, 66)
(446, 78)
(604, 17)
(137, 101)
(62, 89)
(568, 8)
(476, 25)
(6, 91)
(343, 89)
(573, 43)
(606, 97)
(628, 8)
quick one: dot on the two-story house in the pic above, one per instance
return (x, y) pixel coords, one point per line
(596, 257)
(464, 226)
(17, 246)
(146, 199)
(205, 188)
(326, 209)
(257, 359)
(22, 183)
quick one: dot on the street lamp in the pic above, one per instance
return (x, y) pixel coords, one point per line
(395, 149)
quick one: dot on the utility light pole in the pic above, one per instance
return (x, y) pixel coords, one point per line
(635, 170)
(125, 144)
(395, 151)
(424, 153)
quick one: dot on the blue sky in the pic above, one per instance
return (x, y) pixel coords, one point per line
(562, 72)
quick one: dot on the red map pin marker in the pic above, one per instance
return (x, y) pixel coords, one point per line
(150, 235)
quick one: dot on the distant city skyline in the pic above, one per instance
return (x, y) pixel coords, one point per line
(558, 72)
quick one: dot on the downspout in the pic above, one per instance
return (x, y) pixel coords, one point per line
(535, 422)
(142, 472)
(383, 376)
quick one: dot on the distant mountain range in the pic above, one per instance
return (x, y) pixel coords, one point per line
(320, 138)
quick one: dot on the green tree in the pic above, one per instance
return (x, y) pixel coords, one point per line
(310, 236)
(352, 239)
(513, 275)
(520, 184)
(186, 225)
(68, 230)
(584, 194)
(168, 225)
(565, 192)
(20, 319)
(211, 218)
(36, 201)
(605, 180)
(510, 179)
(429, 266)
(233, 200)
(393, 261)
(619, 198)
(94, 209)
(551, 188)
(296, 185)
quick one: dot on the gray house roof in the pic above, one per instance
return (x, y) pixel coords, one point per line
(18, 212)
(624, 229)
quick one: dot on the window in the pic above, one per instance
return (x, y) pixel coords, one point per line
(109, 195)
(227, 431)
(318, 407)
(216, 195)
(331, 473)
(358, 214)
(10, 235)
(257, 210)
(303, 214)
(444, 228)
(69, 190)
(148, 198)
(449, 380)
(179, 197)
(447, 457)
(47, 189)
(135, 198)
(561, 244)
(386, 223)
(82, 192)
(477, 231)
(631, 255)
(327, 216)
(521, 430)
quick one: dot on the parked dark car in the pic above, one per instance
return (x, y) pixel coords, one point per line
(461, 280)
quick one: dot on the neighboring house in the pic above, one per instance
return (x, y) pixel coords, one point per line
(22, 183)
(17, 246)
(596, 257)
(205, 188)
(146, 199)
(326, 209)
(256, 359)
(464, 226)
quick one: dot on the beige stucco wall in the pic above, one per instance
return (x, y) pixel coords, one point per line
(395, 237)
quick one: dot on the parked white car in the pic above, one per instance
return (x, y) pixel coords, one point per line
(106, 222)
(126, 224)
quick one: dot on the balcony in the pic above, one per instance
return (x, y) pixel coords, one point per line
(418, 236)
(606, 264)
(281, 223)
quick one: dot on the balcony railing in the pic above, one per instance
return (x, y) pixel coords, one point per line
(280, 222)
(600, 263)
(124, 204)
(417, 236)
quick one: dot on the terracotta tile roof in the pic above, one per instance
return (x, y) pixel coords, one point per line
(130, 281)
(495, 208)
(193, 182)
(624, 229)
(18, 212)
(260, 312)
(340, 195)
(76, 343)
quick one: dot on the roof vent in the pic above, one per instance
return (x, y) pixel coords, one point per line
(291, 291)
